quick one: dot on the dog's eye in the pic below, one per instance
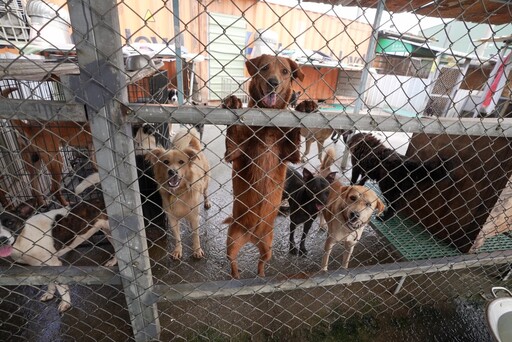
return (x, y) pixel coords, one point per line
(285, 72)
(166, 162)
(265, 68)
(181, 162)
(353, 198)
(368, 204)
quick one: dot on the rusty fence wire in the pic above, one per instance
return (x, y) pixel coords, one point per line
(235, 170)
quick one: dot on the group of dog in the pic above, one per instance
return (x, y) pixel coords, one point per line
(261, 178)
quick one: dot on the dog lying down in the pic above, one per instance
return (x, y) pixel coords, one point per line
(40, 239)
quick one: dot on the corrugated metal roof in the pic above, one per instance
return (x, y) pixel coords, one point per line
(483, 11)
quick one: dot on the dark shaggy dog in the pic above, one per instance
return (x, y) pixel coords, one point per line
(394, 172)
(307, 195)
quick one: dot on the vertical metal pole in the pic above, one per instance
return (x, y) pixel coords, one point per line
(177, 48)
(370, 56)
(98, 44)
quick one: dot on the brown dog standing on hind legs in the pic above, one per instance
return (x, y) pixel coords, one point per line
(259, 156)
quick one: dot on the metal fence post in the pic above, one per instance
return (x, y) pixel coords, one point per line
(98, 43)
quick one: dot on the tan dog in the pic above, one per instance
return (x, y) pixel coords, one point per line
(348, 211)
(182, 176)
(259, 156)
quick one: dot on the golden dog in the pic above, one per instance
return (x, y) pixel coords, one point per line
(182, 176)
(348, 211)
(259, 156)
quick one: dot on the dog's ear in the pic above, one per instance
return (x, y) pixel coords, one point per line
(191, 153)
(253, 65)
(25, 210)
(306, 174)
(296, 73)
(331, 177)
(380, 206)
(153, 155)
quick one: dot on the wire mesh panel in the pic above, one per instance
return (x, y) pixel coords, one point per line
(236, 170)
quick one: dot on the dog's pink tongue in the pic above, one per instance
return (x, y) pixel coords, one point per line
(5, 251)
(270, 100)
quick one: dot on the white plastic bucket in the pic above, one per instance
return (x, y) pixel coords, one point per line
(49, 24)
(499, 316)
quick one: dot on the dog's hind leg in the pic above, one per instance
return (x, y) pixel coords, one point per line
(293, 247)
(237, 238)
(307, 226)
(264, 245)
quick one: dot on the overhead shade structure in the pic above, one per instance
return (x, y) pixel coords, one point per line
(495, 12)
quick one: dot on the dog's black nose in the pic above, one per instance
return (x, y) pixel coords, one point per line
(273, 82)
(4, 240)
(171, 172)
(354, 216)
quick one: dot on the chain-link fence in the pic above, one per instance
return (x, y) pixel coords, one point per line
(252, 169)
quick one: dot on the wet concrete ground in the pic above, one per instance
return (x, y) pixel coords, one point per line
(99, 314)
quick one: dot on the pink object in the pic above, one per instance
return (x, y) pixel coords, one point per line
(496, 81)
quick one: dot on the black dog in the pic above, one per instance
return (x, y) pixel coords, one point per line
(307, 196)
(146, 139)
(394, 173)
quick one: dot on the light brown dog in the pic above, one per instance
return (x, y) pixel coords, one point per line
(348, 211)
(259, 156)
(320, 135)
(182, 176)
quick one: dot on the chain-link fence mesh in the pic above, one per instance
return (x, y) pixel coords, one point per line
(253, 169)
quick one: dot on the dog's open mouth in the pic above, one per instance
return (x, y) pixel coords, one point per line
(174, 181)
(270, 99)
(5, 251)
(319, 206)
(354, 225)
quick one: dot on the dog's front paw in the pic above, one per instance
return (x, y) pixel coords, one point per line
(232, 102)
(111, 262)
(64, 306)
(177, 253)
(207, 204)
(46, 297)
(307, 106)
(198, 253)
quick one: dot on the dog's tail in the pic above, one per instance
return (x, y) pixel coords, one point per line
(327, 161)
(187, 137)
